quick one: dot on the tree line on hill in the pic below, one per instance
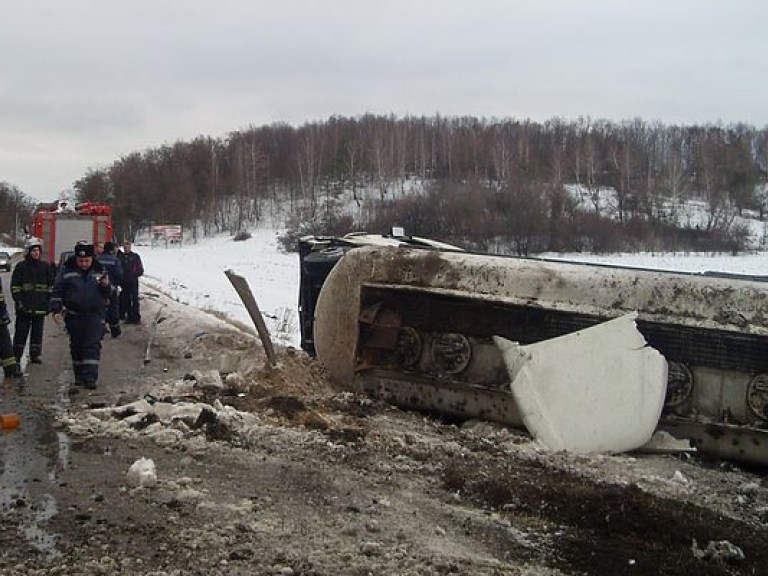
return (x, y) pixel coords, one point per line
(486, 184)
(15, 211)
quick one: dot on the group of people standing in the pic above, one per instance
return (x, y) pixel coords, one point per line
(83, 294)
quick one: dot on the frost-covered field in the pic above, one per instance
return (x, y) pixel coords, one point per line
(194, 274)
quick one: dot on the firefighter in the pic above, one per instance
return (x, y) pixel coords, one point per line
(31, 285)
(80, 293)
(129, 297)
(10, 367)
(108, 259)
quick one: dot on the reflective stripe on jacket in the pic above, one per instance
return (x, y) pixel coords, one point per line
(31, 285)
(79, 290)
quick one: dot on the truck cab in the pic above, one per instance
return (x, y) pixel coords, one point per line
(60, 227)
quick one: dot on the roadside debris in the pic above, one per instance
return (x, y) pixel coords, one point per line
(662, 442)
(153, 334)
(600, 389)
(721, 552)
(142, 474)
(240, 285)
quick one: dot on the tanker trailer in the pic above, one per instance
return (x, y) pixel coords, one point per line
(416, 327)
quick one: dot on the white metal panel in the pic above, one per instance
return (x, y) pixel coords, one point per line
(600, 389)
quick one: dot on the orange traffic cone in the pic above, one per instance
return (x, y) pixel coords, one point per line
(9, 421)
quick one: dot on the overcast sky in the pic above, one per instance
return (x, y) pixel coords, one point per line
(84, 82)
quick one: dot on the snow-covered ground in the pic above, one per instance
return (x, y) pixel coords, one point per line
(755, 264)
(193, 274)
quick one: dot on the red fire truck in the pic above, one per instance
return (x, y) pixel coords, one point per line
(61, 227)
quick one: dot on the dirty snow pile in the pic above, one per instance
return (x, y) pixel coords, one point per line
(168, 423)
(176, 413)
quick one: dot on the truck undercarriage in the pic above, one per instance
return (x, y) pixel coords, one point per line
(417, 327)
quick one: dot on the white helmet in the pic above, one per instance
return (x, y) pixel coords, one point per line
(32, 242)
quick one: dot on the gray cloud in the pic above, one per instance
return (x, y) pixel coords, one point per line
(83, 82)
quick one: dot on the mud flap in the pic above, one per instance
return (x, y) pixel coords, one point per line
(600, 389)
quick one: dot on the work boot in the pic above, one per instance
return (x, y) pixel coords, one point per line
(17, 371)
(115, 331)
(35, 360)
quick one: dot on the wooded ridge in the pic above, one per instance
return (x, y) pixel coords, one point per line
(482, 183)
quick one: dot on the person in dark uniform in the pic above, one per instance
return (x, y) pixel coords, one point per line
(129, 297)
(108, 259)
(31, 286)
(79, 296)
(10, 367)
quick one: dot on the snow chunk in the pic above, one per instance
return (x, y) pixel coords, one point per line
(721, 551)
(663, 442)
(142, 473)
(210, 379)
(679, 478)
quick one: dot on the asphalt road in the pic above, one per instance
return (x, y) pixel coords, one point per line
(33, 456)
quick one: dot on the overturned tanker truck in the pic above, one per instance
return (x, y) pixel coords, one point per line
(413, 322)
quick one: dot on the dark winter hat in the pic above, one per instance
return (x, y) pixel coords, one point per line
(83, 249)
(109, 246)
